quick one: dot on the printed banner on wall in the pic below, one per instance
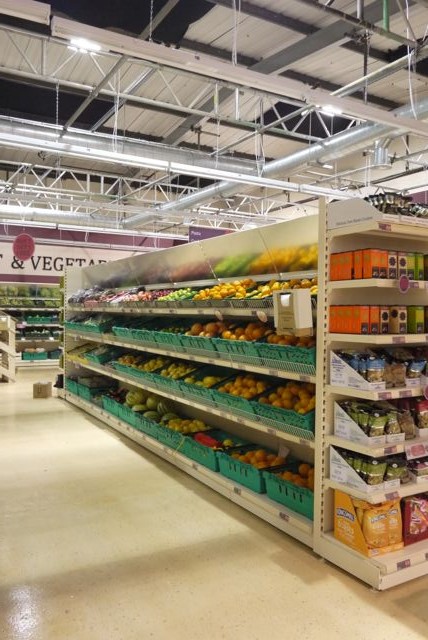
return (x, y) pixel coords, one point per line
(49, 261)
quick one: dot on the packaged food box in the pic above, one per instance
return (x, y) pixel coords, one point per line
(415, 319)
(402, 263)
(411, 263)
(368, 528)
(419, 266)
(398, 319)
(415, 518)
(392, 264)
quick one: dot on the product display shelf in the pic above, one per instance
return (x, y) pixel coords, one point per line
(383, 571)
(410, 489)
(365, 394)
(374, 230)
(7, 348)
(279, 516)
(139, 271)
(384, 339)
(218, 311)
(288, 433)
(272, 370)
(31, 364)
(375, 451)
(373, 283)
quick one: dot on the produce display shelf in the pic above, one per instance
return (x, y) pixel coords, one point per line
(224, 362)
(279, 516)
(410, 489)
(369, 283)
(48, 340)
(6, 308)
(387, 338)
(306, 438)
(260, 314)
(30, 325)
(264, 277)
(382, 572)
(384, 228)
(387, 394)
(378, 451)
(37, 363)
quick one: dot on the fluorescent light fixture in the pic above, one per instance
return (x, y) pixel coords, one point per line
(83, 45)
(26, 10)
(29, 223)
(330, 110)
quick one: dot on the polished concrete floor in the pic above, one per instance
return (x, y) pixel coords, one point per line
(100, 540)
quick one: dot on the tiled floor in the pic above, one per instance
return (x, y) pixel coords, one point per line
(101, 540)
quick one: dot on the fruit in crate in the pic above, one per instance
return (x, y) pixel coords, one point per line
(259, 458)
(249, 332)
(153, 364)
(129, 360)
(303, 478)
(179, 294)
(291, 341)
(206, 381)
(177, 370)
(135, 397)
(294, 396)
(247, 387)
(184, 425)
(236, 289)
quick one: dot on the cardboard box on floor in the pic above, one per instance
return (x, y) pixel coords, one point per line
(42, 390)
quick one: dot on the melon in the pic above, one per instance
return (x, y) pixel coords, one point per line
(152, 415)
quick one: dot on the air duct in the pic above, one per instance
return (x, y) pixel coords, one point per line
(330, 149)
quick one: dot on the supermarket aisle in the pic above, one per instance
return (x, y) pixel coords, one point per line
(100, 540)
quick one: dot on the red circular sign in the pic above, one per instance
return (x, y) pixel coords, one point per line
(23, 246)
(404, 284)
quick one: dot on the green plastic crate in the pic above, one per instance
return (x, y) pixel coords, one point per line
(127, 415)
(197, 342)
(236, 347)
(111, 406)
(233, 402)
(148, 427)
(102, 358)
(206, 456)
(296, 498)
(170, 438)
(169, 339)
(87, 393)
(41, 319)
(123, 332)
(287, 416)
(71, 386)
(34, 356)
(298, 355)
(241, 472)
(55, 354)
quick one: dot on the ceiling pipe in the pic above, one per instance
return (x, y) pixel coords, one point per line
(29, 214)
(329, 149)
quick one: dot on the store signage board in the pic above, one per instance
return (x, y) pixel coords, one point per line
(52, 260)
(203, 233)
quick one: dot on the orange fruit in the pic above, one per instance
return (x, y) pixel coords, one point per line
(304, 469)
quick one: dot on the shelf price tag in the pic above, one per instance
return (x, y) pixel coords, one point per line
(388, 450)
(398, 339)
(271, 431)
(414, 451)
(403, 284)
(406, 393)
(218, 315)
(385, 395)
(237, 490)
(262, 316)
(383, 226)
(403, 564)
(195, 466)
(394, 495)
(284, 516)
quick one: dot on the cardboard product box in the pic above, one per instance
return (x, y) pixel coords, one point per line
(383, 263)
(358, 264)
(392, 265)
(415, 319)
(371, 263)
(384, 319)
(42, 390)
(333, 319)
(365, 527)
(360, 322)
(374, 324)
(346, 263)
(419, 266)
(402, 264)
(334, 263)
(411, 264)
(398, 319)
(426, 267)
